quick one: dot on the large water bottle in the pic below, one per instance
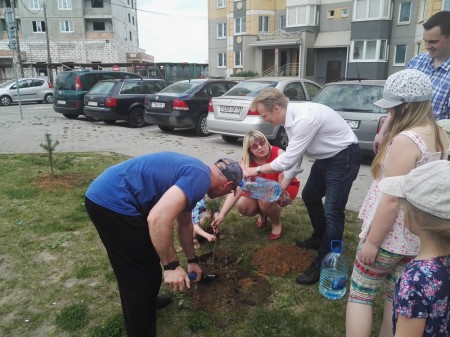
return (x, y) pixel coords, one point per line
(261, 188)
(334, 272)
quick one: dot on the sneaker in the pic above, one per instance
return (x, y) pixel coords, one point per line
(162, 300)
(311, 275)
(312, 243)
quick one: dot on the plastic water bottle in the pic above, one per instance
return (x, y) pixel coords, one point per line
(261, 188)
(334, 272)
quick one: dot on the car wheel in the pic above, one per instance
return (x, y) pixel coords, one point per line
(5, 100)
(136, 118)
(230, 139)
(110, 121)
(282, 139)
(165, 128)
(68, 116)
(48, 98)
(201, 129)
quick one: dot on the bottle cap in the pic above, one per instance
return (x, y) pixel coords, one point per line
(337, 246)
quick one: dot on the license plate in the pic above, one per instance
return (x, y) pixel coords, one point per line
(158, 105)
(93, 103)
(230, 109)
(61, 102)
(353, 124)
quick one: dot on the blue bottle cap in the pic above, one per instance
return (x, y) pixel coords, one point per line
(337, 246)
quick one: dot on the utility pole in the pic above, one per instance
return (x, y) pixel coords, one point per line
(19, 56)
(49, 59)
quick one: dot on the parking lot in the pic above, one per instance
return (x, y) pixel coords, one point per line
(24, 135)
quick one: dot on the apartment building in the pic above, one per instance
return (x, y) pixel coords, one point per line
(80, 31)
(322, 40)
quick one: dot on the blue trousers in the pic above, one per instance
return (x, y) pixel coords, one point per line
(331, 178)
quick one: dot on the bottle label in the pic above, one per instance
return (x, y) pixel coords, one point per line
(339, 283)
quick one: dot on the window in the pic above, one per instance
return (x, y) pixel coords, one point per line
(221, 60)
(283, 22)
(98, 25)
(131, 35)
(221, 30)
(400, 55)
(331, 13)
(38, 26)
(132, 19)
(239, 25)
(129, 18)
(371, 9)
(344, 12)
(221, 3)
(66, 26)
(238, 58)
(368, 50)
(404, 13)
(301, 16)
(446, 5)
(35, 4)
(263, 24)
(64, 4)
(418, 46)
(99, 3)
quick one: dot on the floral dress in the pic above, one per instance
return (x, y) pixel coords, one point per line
(422, 291)
(399, 239)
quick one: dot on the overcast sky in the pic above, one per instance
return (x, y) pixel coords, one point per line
(174, 30)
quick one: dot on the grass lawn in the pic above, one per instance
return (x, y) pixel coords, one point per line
(55, 278)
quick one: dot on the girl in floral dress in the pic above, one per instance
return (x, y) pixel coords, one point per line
(386, 246)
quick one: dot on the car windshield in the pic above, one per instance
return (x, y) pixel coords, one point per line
(351, 97)
(249, 88)
(180, 87)
(7, 84)
(102, 88)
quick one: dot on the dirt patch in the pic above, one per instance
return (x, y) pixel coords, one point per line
(60, 181)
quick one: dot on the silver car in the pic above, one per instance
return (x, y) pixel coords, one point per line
(31, 89)
(229, 114)
(353, 101)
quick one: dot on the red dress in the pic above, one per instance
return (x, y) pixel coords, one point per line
(295, 183)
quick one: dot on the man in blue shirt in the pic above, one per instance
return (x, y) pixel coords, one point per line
(134, 206)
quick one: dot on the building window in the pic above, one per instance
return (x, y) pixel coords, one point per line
(66, 26)
(38, 26)
(221, 3)
(263, 24)
(418, 46)
(64, 4)
(239, 25)
(129, 18)
(99, 25)
(35, 4)
(99, 3)
(344, 12)
(131, 35)
(238, 58)
(221, 30)
(371, 9)
(330, 14)
(301, 16)
(368, 50)
(423, 7)
(132, 19)
(283, 22)
(404, 13)
(400, 55)
(221, 60)
(446, 5)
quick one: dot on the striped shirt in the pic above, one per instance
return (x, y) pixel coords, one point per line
(440, 80)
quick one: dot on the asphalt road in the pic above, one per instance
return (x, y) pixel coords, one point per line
(23, 133)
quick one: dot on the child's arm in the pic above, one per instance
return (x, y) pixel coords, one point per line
(199, 231)
(410, 327)
(229, 203)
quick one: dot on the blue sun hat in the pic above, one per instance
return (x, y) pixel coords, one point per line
(405, 86)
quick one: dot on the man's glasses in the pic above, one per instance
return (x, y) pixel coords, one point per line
(257, 144)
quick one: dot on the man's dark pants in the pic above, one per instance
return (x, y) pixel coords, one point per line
(135, 263)
(331, 178)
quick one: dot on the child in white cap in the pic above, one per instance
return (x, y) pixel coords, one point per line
(422, 292)
(386, 246)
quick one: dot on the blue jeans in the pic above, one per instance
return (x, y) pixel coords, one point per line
(331, 178)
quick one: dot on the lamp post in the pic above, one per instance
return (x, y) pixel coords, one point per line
(49, 59)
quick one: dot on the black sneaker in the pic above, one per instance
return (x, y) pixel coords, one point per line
(162, 300)
(311, 275)
(312, 243)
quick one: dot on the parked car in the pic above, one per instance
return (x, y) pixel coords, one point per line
(31, 89)
(123, 99)
(353, 101)
(184, 104)
(229, 114)
(71, 86)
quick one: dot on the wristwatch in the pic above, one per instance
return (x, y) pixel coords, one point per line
(258, 169)
(172, 265)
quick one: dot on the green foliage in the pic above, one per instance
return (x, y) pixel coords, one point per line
(50, 146)
(245, 74)
(114, 327)
(73, 318)
(199, 321)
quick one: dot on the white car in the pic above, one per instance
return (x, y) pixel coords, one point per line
(31, 89)
(229, 114)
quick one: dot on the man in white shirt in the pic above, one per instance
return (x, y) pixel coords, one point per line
(322, 134)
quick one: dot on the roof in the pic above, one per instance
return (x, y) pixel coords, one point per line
(332, 39)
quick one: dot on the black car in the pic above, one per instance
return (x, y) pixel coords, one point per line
(121, 99)
(184, 104)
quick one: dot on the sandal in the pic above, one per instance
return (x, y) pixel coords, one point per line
(196, 244)
(260, 224)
